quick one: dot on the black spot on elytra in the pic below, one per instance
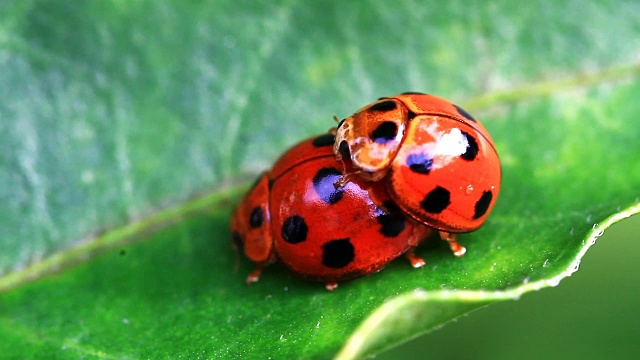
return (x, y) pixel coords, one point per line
(338, 253)
(323, 183)
(412, 93)
(472, 147)
(420, 163)
(386, 131)
(237, 240)
(383, 106)
(465, 114)
(257, 217)
(324, 140)
(411, 115)
(294, 229)
(436, 200)
(483, 204)
(392, 222)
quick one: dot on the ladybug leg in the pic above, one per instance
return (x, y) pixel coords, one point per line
(255, 274)
(345, 179)
(236, 265)
(331, 285)
(420, 232)
(415, 260)
(457, 249)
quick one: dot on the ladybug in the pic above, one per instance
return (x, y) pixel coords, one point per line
(436, 161)
(300, 214)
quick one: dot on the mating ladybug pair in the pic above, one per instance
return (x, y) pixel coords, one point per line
(345, 204)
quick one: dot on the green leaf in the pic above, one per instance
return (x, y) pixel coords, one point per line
(123, 125)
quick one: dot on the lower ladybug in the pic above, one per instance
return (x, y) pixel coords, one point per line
(320, 228)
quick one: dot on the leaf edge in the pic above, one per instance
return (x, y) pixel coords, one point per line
(365, 340)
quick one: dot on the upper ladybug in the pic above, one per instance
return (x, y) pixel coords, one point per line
(438, 163)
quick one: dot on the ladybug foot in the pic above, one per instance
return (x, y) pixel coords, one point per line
(345, 179)
(254, 276)
(457, 249)
(416, 261)
(331, 285)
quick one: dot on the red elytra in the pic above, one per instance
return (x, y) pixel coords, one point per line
(437, 162)
(321, 229)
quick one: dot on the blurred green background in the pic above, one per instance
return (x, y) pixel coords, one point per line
(111, 110)
(591, 315)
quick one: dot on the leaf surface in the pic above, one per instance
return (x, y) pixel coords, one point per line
(124, 124)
